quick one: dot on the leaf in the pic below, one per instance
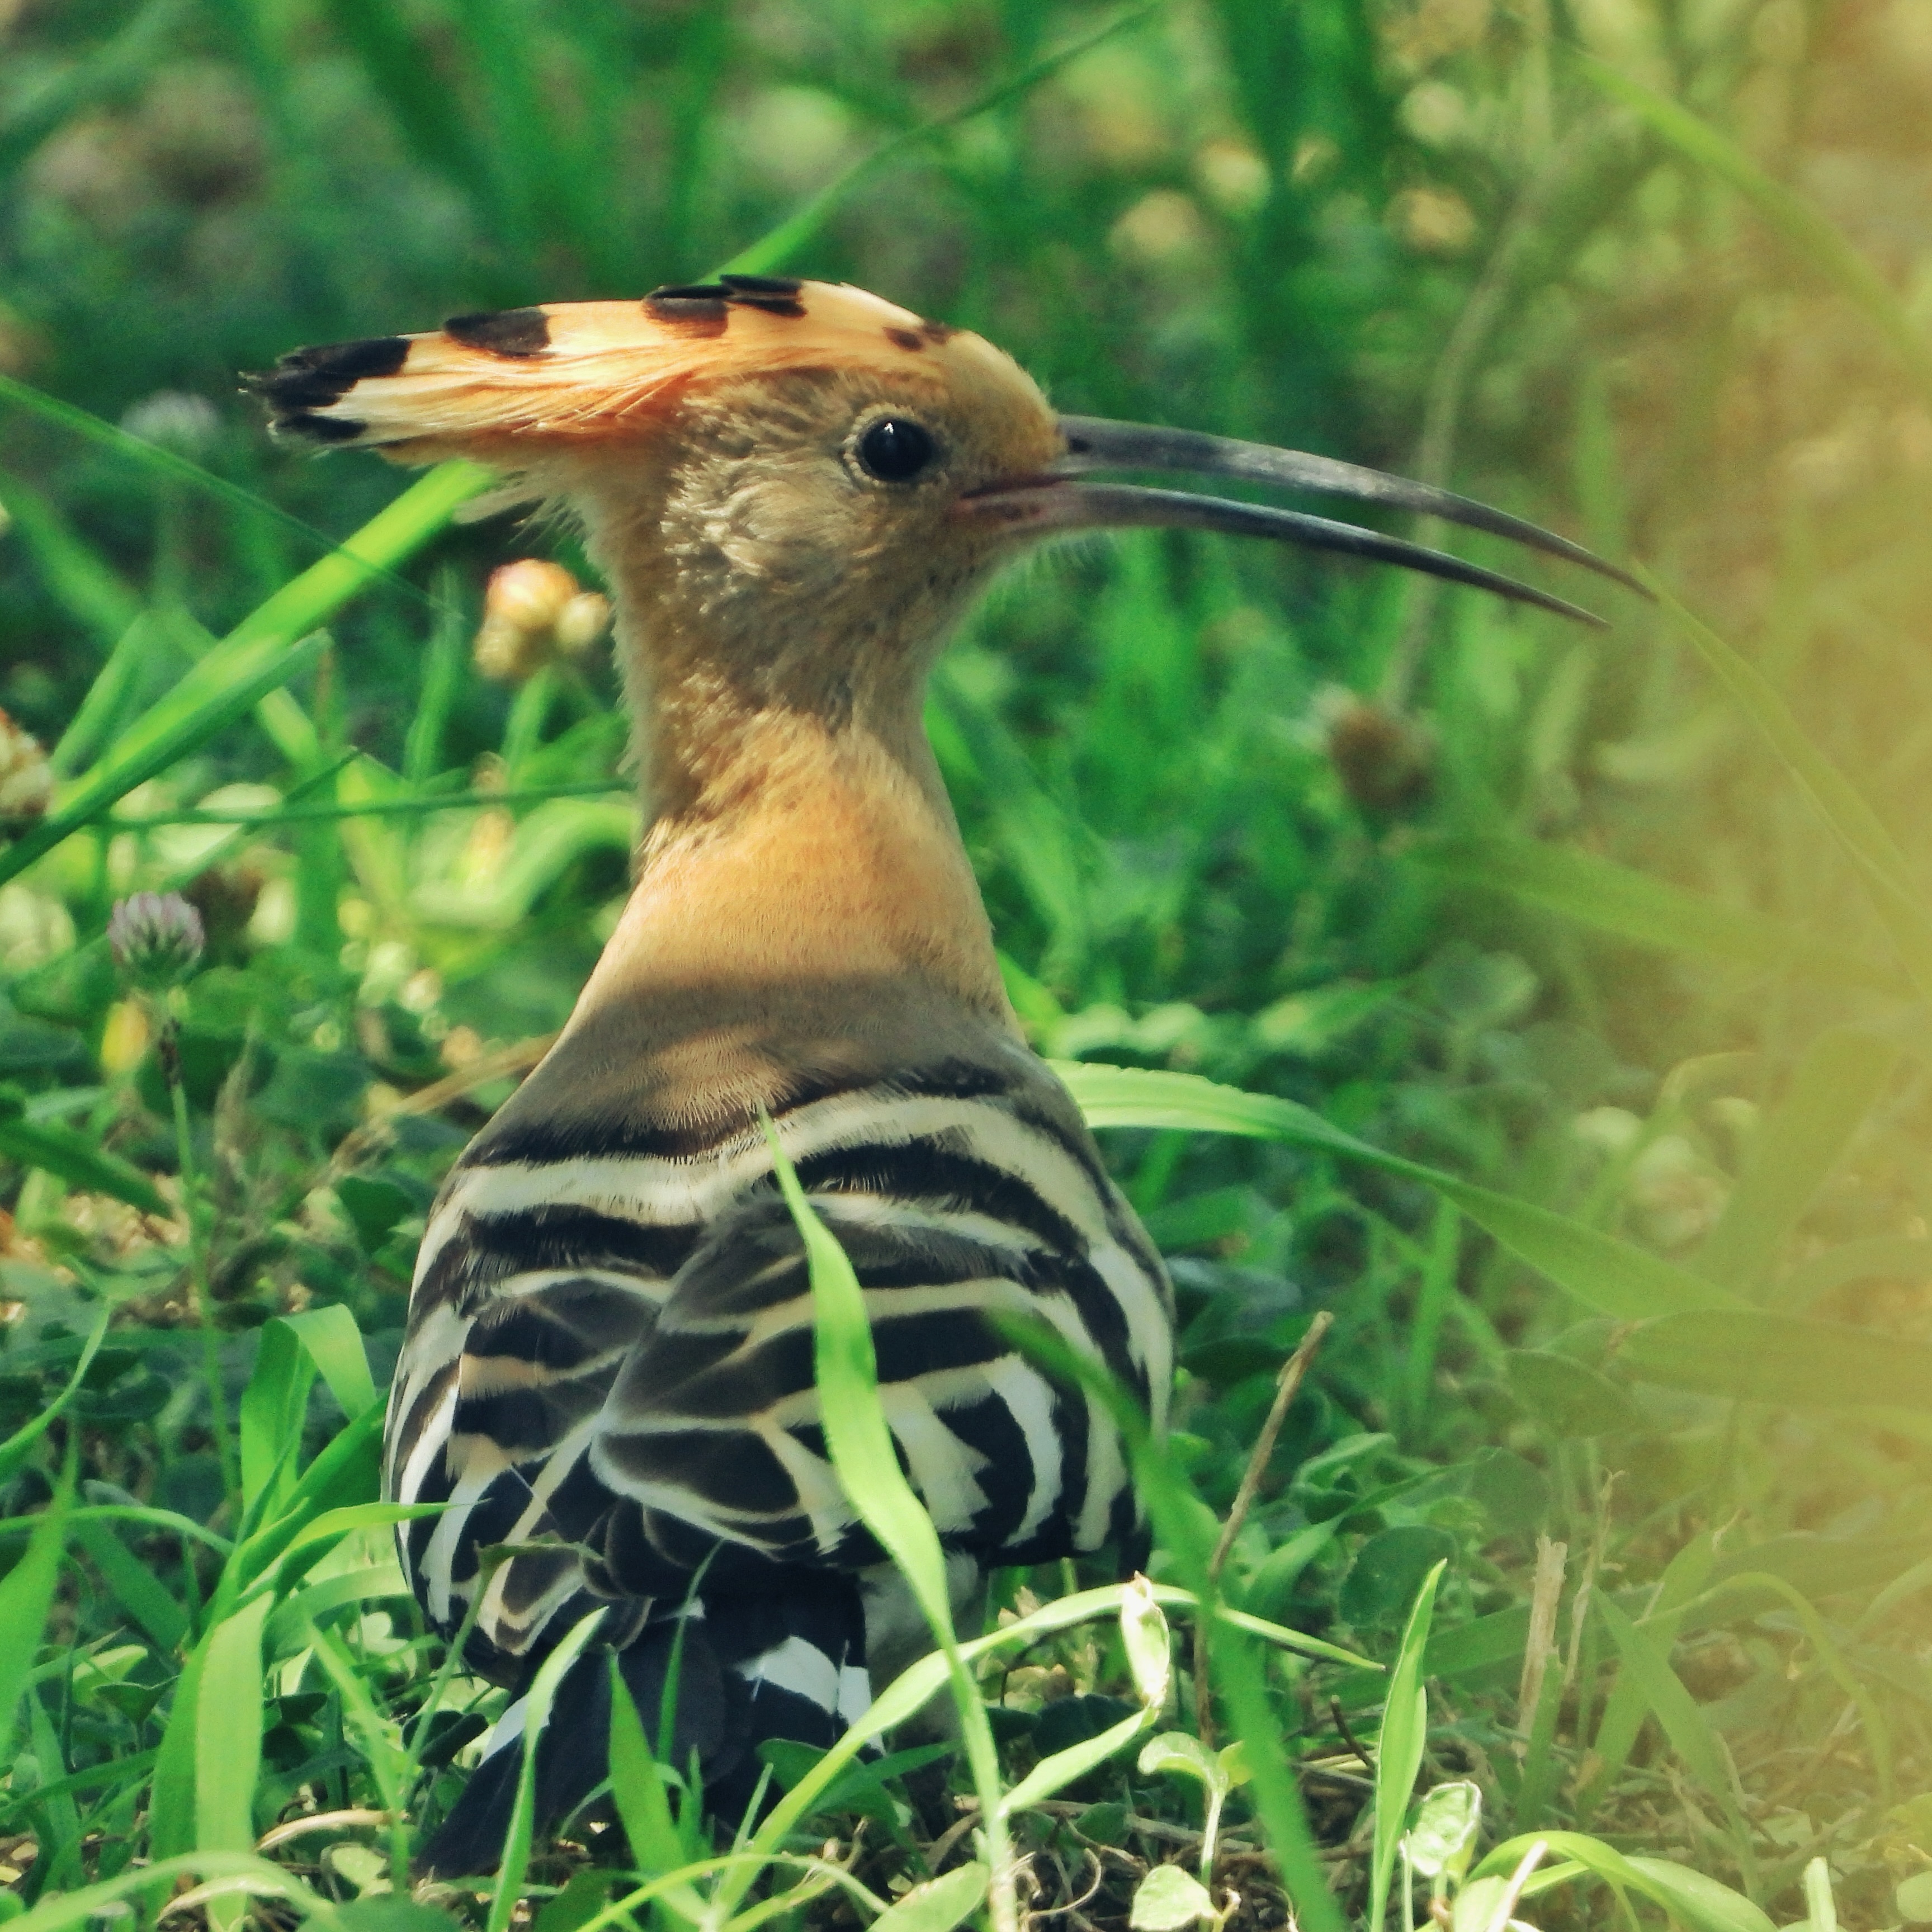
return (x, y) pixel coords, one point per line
(1615, 1278)
(1787, 1359)
(1056, 1772)
(1149, 1647)
(274, 1406)
(1877, 1257)
(1399, 1754)
(1445, 1832)
(374, 1206)
(228, 1725)
(171, 1799)
(1568, 1397)
(1169, 1898)
(1821, 1906)
(1271, 1586)
(1477, 1904)
(26, 1598)
(587, 1894)
(334, 1345)
(939, 1904)
(1181, 1751)
(384, 1912)
(1912, 1898)
(1840, 1079)
(860, 1788)
(1698, 1903)
(1631, 905)
(1388, 1571)
(72, 1157)
(136, 1588)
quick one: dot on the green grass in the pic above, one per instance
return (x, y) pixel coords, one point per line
(1560, 999)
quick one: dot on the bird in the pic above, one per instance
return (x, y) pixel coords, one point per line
(794, 489)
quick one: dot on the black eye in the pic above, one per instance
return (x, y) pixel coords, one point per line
(895, 451)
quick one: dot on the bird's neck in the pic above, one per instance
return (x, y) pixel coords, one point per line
(794, 835)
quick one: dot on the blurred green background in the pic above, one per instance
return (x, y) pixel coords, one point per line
(1328, 832)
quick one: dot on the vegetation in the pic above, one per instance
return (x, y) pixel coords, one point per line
(1575, 989)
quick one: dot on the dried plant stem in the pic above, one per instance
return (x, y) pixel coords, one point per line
(1546, 1594)
(1285, 1390)
(1506, 1906)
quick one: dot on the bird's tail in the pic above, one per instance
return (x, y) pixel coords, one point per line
(729, 1674)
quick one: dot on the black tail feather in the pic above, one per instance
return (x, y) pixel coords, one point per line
(747, 1669)
(573, 1752)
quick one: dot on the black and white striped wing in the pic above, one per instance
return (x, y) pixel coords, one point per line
(648, 1411)
(713, 1430)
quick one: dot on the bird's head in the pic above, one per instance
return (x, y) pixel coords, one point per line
(795, 486)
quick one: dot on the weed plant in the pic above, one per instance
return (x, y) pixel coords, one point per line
(1550, 1014)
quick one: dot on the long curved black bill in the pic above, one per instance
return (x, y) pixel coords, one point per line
(1095, 443)
(1048, 506)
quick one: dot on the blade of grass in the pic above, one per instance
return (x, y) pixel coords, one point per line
(637, 1790)
(70, 1156)
(1871, 1715)
(19, 1446)
(259, 654)
(26, 1599)
(374, 808)
(163, 462)
(1790, 1359)
(136, 1588)
(504, 1900)
(1185, 1531)
(1683, 1724)
(85, 585)
(1699, 1904)
(1851, 821)
(1615, 1277)
(1808, 232)
(1876, 1256)
(1630, 905)
(860, 1441)
(94, 717)
(779, 245)
(1837, 1083)
(228, 1707)
(1398, 1755)
(70, 1909)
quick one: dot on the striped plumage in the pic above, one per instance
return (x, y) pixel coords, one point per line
(610, 1357)
(793, 491)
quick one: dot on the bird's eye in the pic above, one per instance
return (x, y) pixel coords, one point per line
(895, 450)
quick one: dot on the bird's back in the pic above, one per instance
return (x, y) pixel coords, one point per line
(610, 1356)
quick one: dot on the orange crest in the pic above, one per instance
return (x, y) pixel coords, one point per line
(494, 385)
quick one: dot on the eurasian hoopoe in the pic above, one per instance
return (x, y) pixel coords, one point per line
(792, 490)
